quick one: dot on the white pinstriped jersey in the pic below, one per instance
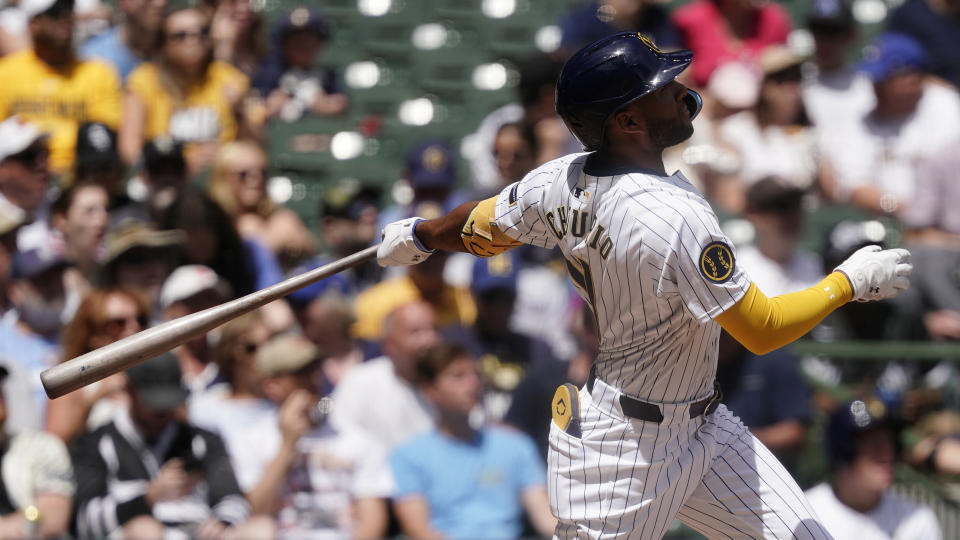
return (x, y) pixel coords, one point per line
(647, 253)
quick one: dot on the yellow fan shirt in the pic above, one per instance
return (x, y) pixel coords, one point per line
(57, 101)
(204, 113)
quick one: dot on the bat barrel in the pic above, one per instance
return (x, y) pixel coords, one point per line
(120, 355)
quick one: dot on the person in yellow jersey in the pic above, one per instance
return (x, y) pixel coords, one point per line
(48, 86)
(184, 94)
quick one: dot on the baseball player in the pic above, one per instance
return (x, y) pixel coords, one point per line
(645, 441)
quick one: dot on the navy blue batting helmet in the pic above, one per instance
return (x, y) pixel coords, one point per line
(606, 75)
(848, 422)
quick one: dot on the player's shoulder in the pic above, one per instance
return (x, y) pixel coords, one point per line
(555, 168)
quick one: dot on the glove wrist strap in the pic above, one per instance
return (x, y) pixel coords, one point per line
(416, 241)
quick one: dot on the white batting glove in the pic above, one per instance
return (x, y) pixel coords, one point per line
(877, 273)
(400, 246)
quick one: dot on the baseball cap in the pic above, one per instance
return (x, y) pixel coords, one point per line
(16, 135)
(164, 153)
(830, 16)
(304, 18)
(772, 195)
(96, 147)
(131, 233)
(850, 420)
(32, 8)
(189, 280)
(34, 261)
(735, 85)
(431, 165)
(778, 58)
(348, 198)
(158, 382)
(892, 52)
(286, 353)
(497, 272)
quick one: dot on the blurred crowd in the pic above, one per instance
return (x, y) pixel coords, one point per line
(134, 190)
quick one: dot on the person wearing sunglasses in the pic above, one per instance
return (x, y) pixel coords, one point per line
(184, 93)
(239, 185)
(104, 316)
(47, 84)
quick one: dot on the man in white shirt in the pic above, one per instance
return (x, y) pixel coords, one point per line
(875, 157)
(380, 396)
(857, 503)
(776, 265)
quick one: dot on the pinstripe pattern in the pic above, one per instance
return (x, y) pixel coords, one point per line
(633, 244)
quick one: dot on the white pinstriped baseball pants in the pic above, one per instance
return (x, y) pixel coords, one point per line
(628, 479)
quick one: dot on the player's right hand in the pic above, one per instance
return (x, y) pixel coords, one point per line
(876, 274)
(399, 246)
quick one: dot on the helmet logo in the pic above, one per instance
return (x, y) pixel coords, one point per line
(646, 41)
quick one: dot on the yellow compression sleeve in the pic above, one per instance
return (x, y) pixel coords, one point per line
(480, 234)
(764, 324)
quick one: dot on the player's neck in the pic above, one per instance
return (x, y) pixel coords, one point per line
(610, 162)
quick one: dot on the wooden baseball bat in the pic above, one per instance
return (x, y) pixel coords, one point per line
(129, 351)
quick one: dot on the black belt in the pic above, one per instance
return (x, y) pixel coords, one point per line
(641, 410)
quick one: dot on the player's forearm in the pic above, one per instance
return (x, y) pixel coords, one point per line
(444, 232)
(763, 324)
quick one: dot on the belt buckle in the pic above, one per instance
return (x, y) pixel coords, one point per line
(715, 400)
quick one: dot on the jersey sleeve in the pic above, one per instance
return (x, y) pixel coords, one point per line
(700, 262)
(520, 213)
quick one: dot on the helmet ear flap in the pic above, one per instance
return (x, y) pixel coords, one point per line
(694, 103)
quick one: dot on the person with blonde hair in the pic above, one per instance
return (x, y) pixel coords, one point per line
(239, 185)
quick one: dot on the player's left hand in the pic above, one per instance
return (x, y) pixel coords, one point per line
(877, 274)
(400, 246)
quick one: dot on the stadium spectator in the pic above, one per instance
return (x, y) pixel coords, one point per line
(235, 413)
(162, 179)
(184, 93)
(237, 29)
(874, 158)
(36, 481)
(935, 24)
(190, 289)
(458, 481)
(79, 216)
(42, 297)
(595, 19)
(399, 412)
(776, 264)
(105, 316)
(515, 153)
(131, 42)
(350, 213)
(833, 89)
(290, 81)
(14, 35)
(505, 356)
(212, 240)
(451, 304)
(140, 257)
(47, 85)
(98, 161)
(321, 477)
(534, 108)
(769, 395)
(933, 235)
(326, 321)
(9, 224)
(774, 138)
(718, 31)
(25, 180)
(430, 172)
(147, 474)
(239, 185)
(857, 503)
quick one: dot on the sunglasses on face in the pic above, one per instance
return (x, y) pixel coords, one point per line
(33, 156)
(183, 35)
(244, 174)
(116, 324)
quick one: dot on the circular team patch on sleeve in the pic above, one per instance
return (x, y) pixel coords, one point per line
(716, 262)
